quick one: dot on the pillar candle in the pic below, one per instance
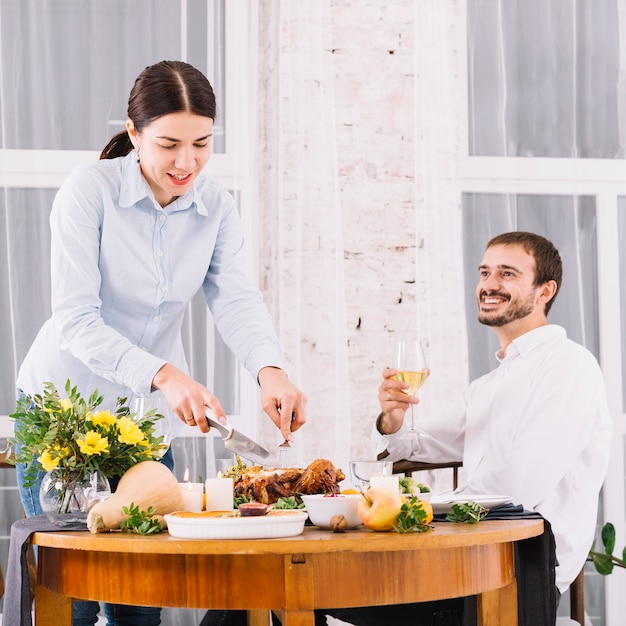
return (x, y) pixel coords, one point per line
(219, 494)
(392, 483)
(193, 496)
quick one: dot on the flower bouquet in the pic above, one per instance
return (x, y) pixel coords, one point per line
(73, 441)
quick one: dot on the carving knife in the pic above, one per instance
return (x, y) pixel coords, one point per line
(241, 444)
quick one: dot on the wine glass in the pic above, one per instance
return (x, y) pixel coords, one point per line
(362, 471)
(410, 361)
(148, 407)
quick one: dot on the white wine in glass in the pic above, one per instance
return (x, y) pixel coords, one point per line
(410, 361)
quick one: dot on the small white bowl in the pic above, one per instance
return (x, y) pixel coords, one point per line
(321, 507)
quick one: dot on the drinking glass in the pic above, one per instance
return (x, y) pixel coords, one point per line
(149, 406)
(362, 471)
(410, 361)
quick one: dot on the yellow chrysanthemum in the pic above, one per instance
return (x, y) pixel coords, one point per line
(130, 433)
(103, 418)
(51, 457)
(92, 443)
(66, 404)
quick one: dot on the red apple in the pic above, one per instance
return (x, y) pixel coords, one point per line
(379, 508)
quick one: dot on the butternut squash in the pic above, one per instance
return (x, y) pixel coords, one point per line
(146, 484)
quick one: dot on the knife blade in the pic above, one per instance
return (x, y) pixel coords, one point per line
(241, 444)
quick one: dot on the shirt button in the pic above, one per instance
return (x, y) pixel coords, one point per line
(156, 318)
(163, 287)
(162, 218)
(159, 252)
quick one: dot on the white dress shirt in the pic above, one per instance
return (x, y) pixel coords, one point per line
(538, 429)
(123, 270)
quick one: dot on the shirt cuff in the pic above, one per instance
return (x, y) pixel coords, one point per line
(137, 369)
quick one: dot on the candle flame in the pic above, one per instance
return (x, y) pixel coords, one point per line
(186, 476)
(219, 474)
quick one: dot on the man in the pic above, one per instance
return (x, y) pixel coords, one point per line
(537, 427)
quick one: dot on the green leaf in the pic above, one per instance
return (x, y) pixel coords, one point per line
(603, 563)
(468, 512)
(608, 537)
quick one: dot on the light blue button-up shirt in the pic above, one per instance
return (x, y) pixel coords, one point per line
(123, 270)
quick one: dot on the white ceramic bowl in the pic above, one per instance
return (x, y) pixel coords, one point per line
(322, 507)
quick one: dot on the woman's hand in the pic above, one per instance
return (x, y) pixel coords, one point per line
(187, 397)
(282, 401)
(393, 402)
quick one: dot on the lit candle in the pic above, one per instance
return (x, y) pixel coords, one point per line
(193, 494)
(219, 494)
(392, 483)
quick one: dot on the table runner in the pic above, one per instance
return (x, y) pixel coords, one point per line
(17, 596)
(535, 568)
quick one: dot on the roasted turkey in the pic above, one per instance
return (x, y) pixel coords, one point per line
(268, 485)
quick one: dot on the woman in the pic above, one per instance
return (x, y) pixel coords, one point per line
(134, 236)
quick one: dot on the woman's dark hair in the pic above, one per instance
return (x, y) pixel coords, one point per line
(548, 265)
(163, 88)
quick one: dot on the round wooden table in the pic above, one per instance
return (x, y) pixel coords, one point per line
(293, 576)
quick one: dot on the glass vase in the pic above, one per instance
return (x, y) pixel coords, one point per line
(62, 494)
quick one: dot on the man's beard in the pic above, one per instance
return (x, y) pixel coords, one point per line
(515, 310)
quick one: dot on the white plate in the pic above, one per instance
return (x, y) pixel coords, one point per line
(442, 503)
(287, 523)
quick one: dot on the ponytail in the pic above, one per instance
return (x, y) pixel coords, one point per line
(120, 145)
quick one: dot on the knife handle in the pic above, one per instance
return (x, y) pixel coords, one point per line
(225, 430)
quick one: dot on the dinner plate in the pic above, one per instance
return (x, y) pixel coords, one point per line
(202, 525)
(442, 503)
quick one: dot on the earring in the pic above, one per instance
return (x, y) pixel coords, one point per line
(137, 154)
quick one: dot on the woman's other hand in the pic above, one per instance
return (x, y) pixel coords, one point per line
(282, 401)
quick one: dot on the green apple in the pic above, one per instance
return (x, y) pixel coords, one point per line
(379, 508)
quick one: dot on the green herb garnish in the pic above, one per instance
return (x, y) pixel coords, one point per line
(140, 522)
(412, 517)
(290, 502)
(469, 512)
(241, 500)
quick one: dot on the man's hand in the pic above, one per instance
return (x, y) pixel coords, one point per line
(393, 402)
(282, 401)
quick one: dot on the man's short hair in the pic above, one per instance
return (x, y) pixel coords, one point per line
(548, 264)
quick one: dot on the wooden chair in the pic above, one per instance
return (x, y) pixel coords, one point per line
(577, 598)
(408, 467)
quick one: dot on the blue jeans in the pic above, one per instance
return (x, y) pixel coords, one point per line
(86, 613)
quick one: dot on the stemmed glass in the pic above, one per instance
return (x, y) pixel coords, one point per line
(410, 361)
(146, 407)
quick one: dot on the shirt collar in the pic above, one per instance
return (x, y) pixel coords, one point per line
(530, 340)
(135, 188)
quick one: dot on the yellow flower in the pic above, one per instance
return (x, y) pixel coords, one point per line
(103, 418)
(50, 457)
(130, 432)
(92, 443)
(66, 404)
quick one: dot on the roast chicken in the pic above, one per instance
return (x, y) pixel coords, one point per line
(268, 485)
